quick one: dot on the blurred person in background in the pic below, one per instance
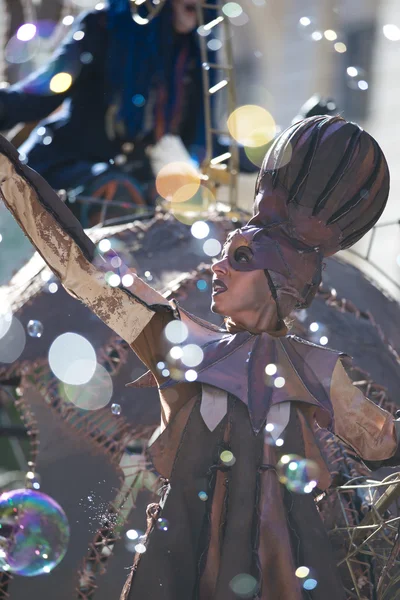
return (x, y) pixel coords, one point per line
(114, 87)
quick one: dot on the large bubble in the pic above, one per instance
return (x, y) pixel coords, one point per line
(12, 343)
(298, 474)
(34, 533)
(251, 125)
(94, 394)
(72, 359)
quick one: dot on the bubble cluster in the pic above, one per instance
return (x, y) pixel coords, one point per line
(298, 474)
(37, 533)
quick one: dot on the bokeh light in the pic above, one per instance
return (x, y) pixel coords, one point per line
(279, 382)
(192, 355)
(176, 332)
(200, 230)
(203, 496)
(340, 47)
(127, 280)
(104, 245)
(251, 125)
(18, 52)
(199, 199)
(232, 9)
(271, 369)
(12, 342)
(39, 533)
(391, 32)
(94, 394)
(202, 285)
(174, 177)
(162, 524)
(212, 247)
(191, 375)
(72, 359)
(244, 585)
(227, 458)
(26, 32)
(302, 572)
(298, 474)
(68, 20)
(60, 83)
(330, 35)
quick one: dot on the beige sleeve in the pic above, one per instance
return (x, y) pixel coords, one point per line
(359, 422)
(62, 243)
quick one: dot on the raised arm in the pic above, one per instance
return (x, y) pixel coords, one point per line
(371, 431)
(61, 241)
(32, 99)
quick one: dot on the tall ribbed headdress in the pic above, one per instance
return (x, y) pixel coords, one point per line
(322, 186)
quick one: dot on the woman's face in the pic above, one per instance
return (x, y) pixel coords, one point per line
(184, 15)
(244, 296)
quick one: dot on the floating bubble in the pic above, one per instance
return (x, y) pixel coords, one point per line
(191, 375)
(162, 524)
(212, 247)
(232, 9)
(251, 125)
(340, 47)
(34, 328)
(214, 45)
(176, 352)
(271, 369)
(127, 280)
(203, 496)
(244, 585)
(173, 177)
(356, 78)
(12, 342)
(176, 332)
(39, 532)
(5, 316)
(104, 245)
(227, 458)
(72, 359)
(302, 572)
(18, 52)
(140, 547)
(298, 474)
(391, 32)
(200, 230)
(94, 394)
(330, 35)
(279, 382)
(60, 83)
(115, 409)
(310, 584)
(202, 285)
(78, 35)
(26, 32)
(192, 355)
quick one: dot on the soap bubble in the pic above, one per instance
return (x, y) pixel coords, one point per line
(244, 585)
(94, 394)
(72, 359)
(162, 524)
(116, 409)
(203, 496)
(12, 343)
(298, 474)
(37, 532)
(34, 328)
(176, 332)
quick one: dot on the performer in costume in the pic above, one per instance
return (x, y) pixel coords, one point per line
(322, 186)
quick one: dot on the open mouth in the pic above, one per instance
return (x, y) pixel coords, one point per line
(218, 287)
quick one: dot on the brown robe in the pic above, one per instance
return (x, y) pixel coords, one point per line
(250, 529)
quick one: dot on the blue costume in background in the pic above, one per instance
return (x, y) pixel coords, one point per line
(130, 83)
